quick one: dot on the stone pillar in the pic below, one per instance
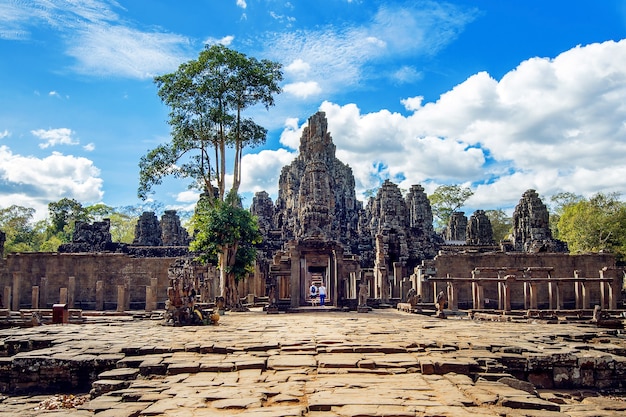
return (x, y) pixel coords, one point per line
(43, 292)
(397, 279)
(532, 294)
(127, 282)
(99, 295)
(606, 288)
(15, 304)
(71, 292)
(121, 297)
(478, 296)
(506, 292)
(151, 295)
(453, 302)
(298, 267)
(585, 296)
(7, 297)
(552, 295)
(35, 297)
(63, 295)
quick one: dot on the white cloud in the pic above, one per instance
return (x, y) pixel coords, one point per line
(550, 124)
(90, 147)
(123, 51)
(96, 37)
(406, 74)
(303, 89)
(290, 136)
(338, 56)
(188, 196)
(298, 67)
(226, 40)
(34, 182)
(5, 134)
(54, 137)
(261, 171)
(242, 4)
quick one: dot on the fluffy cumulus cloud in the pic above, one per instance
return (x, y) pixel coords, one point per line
(261, 171)
(54, 137)
(34, 182)
(550, 124)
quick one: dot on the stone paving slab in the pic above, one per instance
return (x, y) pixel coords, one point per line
(384, 363)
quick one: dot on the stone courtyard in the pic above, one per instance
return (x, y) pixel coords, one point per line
(316, 363)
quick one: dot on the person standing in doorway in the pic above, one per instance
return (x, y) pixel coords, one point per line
(312, 291)
(322, 292)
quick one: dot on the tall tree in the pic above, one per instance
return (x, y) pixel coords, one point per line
(226, 231)
(447, 199)
(207, 99)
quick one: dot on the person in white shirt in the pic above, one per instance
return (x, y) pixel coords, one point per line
(322, 292)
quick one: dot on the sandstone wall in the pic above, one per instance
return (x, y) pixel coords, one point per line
(461, 265)
(87, 268)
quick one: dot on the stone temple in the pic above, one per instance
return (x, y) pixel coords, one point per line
(376, 254)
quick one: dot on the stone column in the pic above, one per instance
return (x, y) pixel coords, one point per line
(398, 268)
(43, 292)
(298, 267)
(552, 295)
(127, 285)
(35, 297)
(15, 304)
(99, 295)
(71, 292)
(63, 295)
(150, 300)
(151, 295)
(121, 297)
(607, 287)
(453, 302)
(7, 297)
(506, 292)
(154, 289)
(532, 290)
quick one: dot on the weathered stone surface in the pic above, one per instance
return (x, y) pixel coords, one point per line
(172, 233)
(457, 227)
(479, 231)
(301, 383)
(148, 230)
(531, 226)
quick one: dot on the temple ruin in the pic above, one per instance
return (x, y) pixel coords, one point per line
(376, 254)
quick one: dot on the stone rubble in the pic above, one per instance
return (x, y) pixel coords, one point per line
(318, 364)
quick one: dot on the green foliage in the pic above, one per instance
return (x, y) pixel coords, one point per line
(445, 200)
(21, 232)
(206, 99)
(63, 216)
(222, 226)
(596, 224)
(501, 224)
(122, 227)
(560, 202)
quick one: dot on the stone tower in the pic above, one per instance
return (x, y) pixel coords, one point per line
(457, 227)
(531, 226)
(479, 231)
(316, 196)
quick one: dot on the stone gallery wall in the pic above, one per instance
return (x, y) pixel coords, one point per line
(559, 265)
(25, 270)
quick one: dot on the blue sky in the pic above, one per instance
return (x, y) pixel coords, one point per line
(501, 96)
